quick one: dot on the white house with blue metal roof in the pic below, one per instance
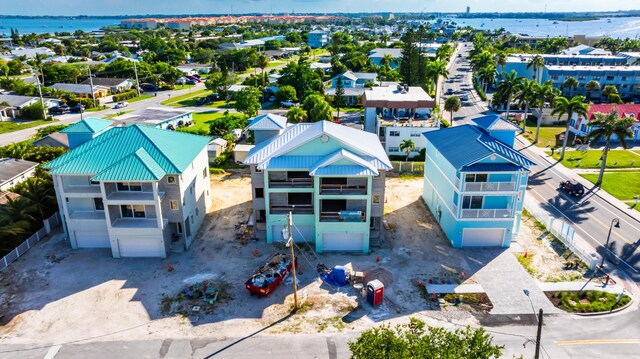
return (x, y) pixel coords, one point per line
(138, 190)
(474, 184)
(330, 177)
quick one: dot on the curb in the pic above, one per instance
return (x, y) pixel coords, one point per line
(599, 314)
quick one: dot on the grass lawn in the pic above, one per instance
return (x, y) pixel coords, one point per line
(203, 120)
(547, 134)
(589, 159)
(188, 99)
(220, 104)
(622, 185)
(139, 98)
(12, 126)
(117, 114)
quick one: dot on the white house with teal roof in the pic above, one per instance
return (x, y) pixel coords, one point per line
(138, 190)
(330, 177)
(86, 129)
(475, 183)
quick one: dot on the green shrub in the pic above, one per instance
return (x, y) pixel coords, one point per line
(125, 96)
(444, 123)
(478, 88)
(598, 301)
(216, 171)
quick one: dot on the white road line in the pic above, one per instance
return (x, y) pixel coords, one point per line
(53, 351)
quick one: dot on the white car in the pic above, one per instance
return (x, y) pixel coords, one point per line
(465, 97)
(121, 104)
(288, 103)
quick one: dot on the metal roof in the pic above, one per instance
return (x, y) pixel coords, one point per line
(495, 123)
(348, 170)
(359, 144)
(153, 115)
(172, 151)
(467, 144)
(269, 121)
(88, 125)
(329, 160)
(491, 167)
(138, 166)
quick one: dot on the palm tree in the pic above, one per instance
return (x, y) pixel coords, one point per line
(435, 69)
(544, 93)
(487, 75)
(525, 94)
(569, 107)
(606, 126)
(507, 87)
(591, 86)
(40, 193)
(608, 91)
(262, 62)
(537, 62)
(19, 209)
(501, 59)
(570, 83)
(407, 146)
(481, 60)
(452, 104)
(296, 115)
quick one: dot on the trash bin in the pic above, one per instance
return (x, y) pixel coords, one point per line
(375, 292)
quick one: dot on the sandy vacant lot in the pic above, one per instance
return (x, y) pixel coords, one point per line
(87, 295)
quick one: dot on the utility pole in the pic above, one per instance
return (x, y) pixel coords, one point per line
(539, 335)
(293, 262)
(44, 110)
(93, 96)
(135, 70)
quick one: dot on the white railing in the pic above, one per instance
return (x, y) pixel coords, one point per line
(490, 186)
(487, 213)
(49, 224)
(561, 230)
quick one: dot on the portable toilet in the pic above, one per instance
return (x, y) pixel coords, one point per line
(375, 292)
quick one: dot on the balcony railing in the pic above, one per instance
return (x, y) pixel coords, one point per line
(292, 183)
(490, 186)
(342, 189)
(140, 223)
(87, 215)
(487, 213)
(129, 196)
(343, 216)
(293, 208)
(82, 189)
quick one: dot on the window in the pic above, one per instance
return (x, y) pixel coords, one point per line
(191, 218)
(129, 186)
(583, 128)
(376, 198)
(259, 192)
(173, 204)
(94, 183)
(573, 122)
(204, 172)
(472, 202)
(394, 149)
(394, 133)
(624, 78)
(132, 211)
(179, 227)
(197, 212)
(97, 203)
(610, 78)
(191, 189)
(415, 134)
(171, 179)
(476, 177)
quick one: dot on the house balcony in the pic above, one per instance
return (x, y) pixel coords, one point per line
(87, 215)
(138, 223)
(346, 189)
(293, 208)
(343, 216)
(490, 187)
(133, 196)
(292, 183)
(82, 190)
(486, 213)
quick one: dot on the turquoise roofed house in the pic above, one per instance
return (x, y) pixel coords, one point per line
(498, 128)
(330, 177)
(139, 190)
(84, 130)
(475, 183)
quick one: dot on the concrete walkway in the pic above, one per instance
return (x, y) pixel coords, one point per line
(576, 286)
(454, 288)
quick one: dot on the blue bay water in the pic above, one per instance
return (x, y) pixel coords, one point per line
(47, 25)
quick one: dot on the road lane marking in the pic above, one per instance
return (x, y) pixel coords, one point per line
(51, 353)
(596, 341)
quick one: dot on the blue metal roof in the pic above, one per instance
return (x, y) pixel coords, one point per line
(88, 125)
(491, 167)
(467, 144)
(269, 121)
(495, 123)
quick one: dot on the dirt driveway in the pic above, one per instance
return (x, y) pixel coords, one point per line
(87, 295)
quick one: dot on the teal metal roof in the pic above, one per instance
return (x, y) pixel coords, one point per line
(88, 125)
(117, 154)
(138, 166)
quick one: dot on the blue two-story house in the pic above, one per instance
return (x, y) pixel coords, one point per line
(353, 83)
(474, 184)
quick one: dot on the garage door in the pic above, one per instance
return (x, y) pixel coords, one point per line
(300, 233)
(141, 247)
(342, 242)
(482, 237)
(87, 239)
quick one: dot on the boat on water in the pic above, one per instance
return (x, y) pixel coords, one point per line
(609, 21)
(555, 22)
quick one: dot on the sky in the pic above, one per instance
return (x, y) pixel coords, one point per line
(142, 7)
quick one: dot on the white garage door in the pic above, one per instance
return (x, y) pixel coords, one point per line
(86, 239)
(300, 234)
(141, 247)
(482, 237)
(342, 241)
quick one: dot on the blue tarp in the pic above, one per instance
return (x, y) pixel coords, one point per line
(337, 277)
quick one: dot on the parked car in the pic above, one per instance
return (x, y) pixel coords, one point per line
(449, 91)
(272, 98)
(121, 104)
(77, 108)
(575, 189)
(465, 97)
(191, 82)
(59, 110)
(181, 81)
(288, 103)
(149, 87)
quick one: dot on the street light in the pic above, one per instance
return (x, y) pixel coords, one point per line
(539, 319)
(606, 245)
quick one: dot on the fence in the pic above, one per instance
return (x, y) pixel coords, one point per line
(562, 230)
(49, 224)
(410, 166)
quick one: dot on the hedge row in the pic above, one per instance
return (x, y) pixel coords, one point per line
(125, 96)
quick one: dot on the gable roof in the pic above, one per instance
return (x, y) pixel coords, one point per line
(88, 125)
(104, 81)
(355, 76)
(269, 121)
(78, 88)
(295, 136)
(360, 166)
(495, 123)
(467, 144)
(115, 155)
